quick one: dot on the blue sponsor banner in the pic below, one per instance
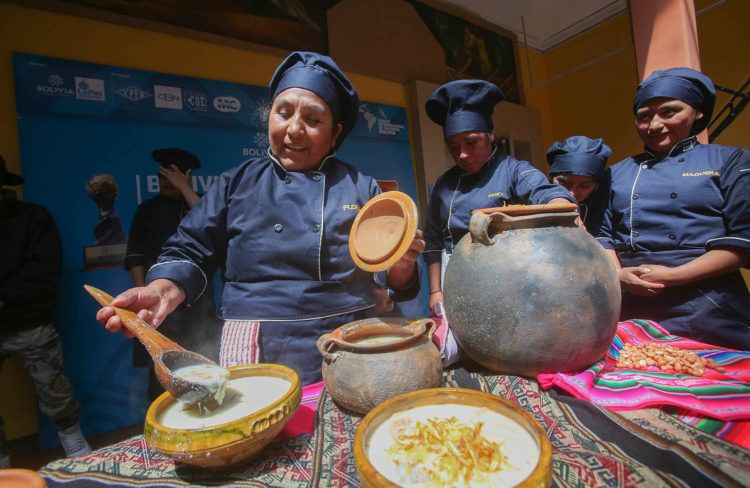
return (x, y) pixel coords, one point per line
(82, 125)
(57, 86)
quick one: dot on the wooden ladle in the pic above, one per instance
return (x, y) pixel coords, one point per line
(169, 357)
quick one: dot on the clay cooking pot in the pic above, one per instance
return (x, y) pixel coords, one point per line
(369, 361)
(528, 292)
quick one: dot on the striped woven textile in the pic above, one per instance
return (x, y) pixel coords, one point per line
(591, 446)
(717, 403)
(239, 343)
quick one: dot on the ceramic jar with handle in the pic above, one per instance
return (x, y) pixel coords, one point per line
(369, 361)
(528, 292)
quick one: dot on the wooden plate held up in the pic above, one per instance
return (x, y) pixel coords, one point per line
(383, 231)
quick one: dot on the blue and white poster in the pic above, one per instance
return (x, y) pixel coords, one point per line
(87, 130)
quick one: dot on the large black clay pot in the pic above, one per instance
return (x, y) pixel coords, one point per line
(530, 294)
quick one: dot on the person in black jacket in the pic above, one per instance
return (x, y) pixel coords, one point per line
(196, 327)
(30, 263)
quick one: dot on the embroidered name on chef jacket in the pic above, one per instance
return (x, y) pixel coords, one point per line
(352, 206)
(702, 173)
(496, 194)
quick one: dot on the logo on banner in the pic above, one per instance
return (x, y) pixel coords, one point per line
(133, 93)
(90, 89)
(259, 112)
(196, 100)
(227, 104)
(261, 139)
(55, 87)
(168, 97)
(379, 120)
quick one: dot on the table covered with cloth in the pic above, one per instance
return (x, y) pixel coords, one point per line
(592, 446)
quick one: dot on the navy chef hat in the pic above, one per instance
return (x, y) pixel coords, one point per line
(685, 84)
(463, 106)
(179, 157)
(321, 75)
(579, 155)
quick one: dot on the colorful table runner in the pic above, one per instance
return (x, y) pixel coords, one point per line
(592, 446)
(716, 403)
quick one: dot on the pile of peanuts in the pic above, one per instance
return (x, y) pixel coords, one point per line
(666, 358)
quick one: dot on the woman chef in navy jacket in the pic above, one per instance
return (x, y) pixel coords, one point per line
(578, 164)
(678, 221)
(279, 225)
(483, 177)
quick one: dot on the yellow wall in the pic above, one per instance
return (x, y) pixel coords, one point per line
(724, 36)
(52, 34)
(586, 85)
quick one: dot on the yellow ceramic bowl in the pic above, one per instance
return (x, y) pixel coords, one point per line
(20, 478)
(231, 443)
(540, 476)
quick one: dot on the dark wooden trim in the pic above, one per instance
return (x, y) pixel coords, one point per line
(150, 25)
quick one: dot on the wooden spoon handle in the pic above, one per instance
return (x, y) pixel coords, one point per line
(153, 340)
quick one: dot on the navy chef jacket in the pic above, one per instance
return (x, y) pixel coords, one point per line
(502, 180)
(671, 210)
(283, 238)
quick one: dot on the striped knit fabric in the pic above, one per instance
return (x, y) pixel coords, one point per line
(239, 343)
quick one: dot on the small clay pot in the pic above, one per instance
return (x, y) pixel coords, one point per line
(369, 361)
(382, 231)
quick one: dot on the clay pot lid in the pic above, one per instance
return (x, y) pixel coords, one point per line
(20, 478)
(383, 231)
(518, 210)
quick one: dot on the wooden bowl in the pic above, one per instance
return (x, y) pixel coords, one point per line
(20, 478)
(230, 443)
(540, 476)
(383, 231)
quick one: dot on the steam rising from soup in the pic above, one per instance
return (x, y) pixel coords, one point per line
(213, 378)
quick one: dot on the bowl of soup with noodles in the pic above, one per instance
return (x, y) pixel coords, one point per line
(451, 437)
(258, 401)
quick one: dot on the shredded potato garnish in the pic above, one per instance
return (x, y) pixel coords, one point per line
(447, 451)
